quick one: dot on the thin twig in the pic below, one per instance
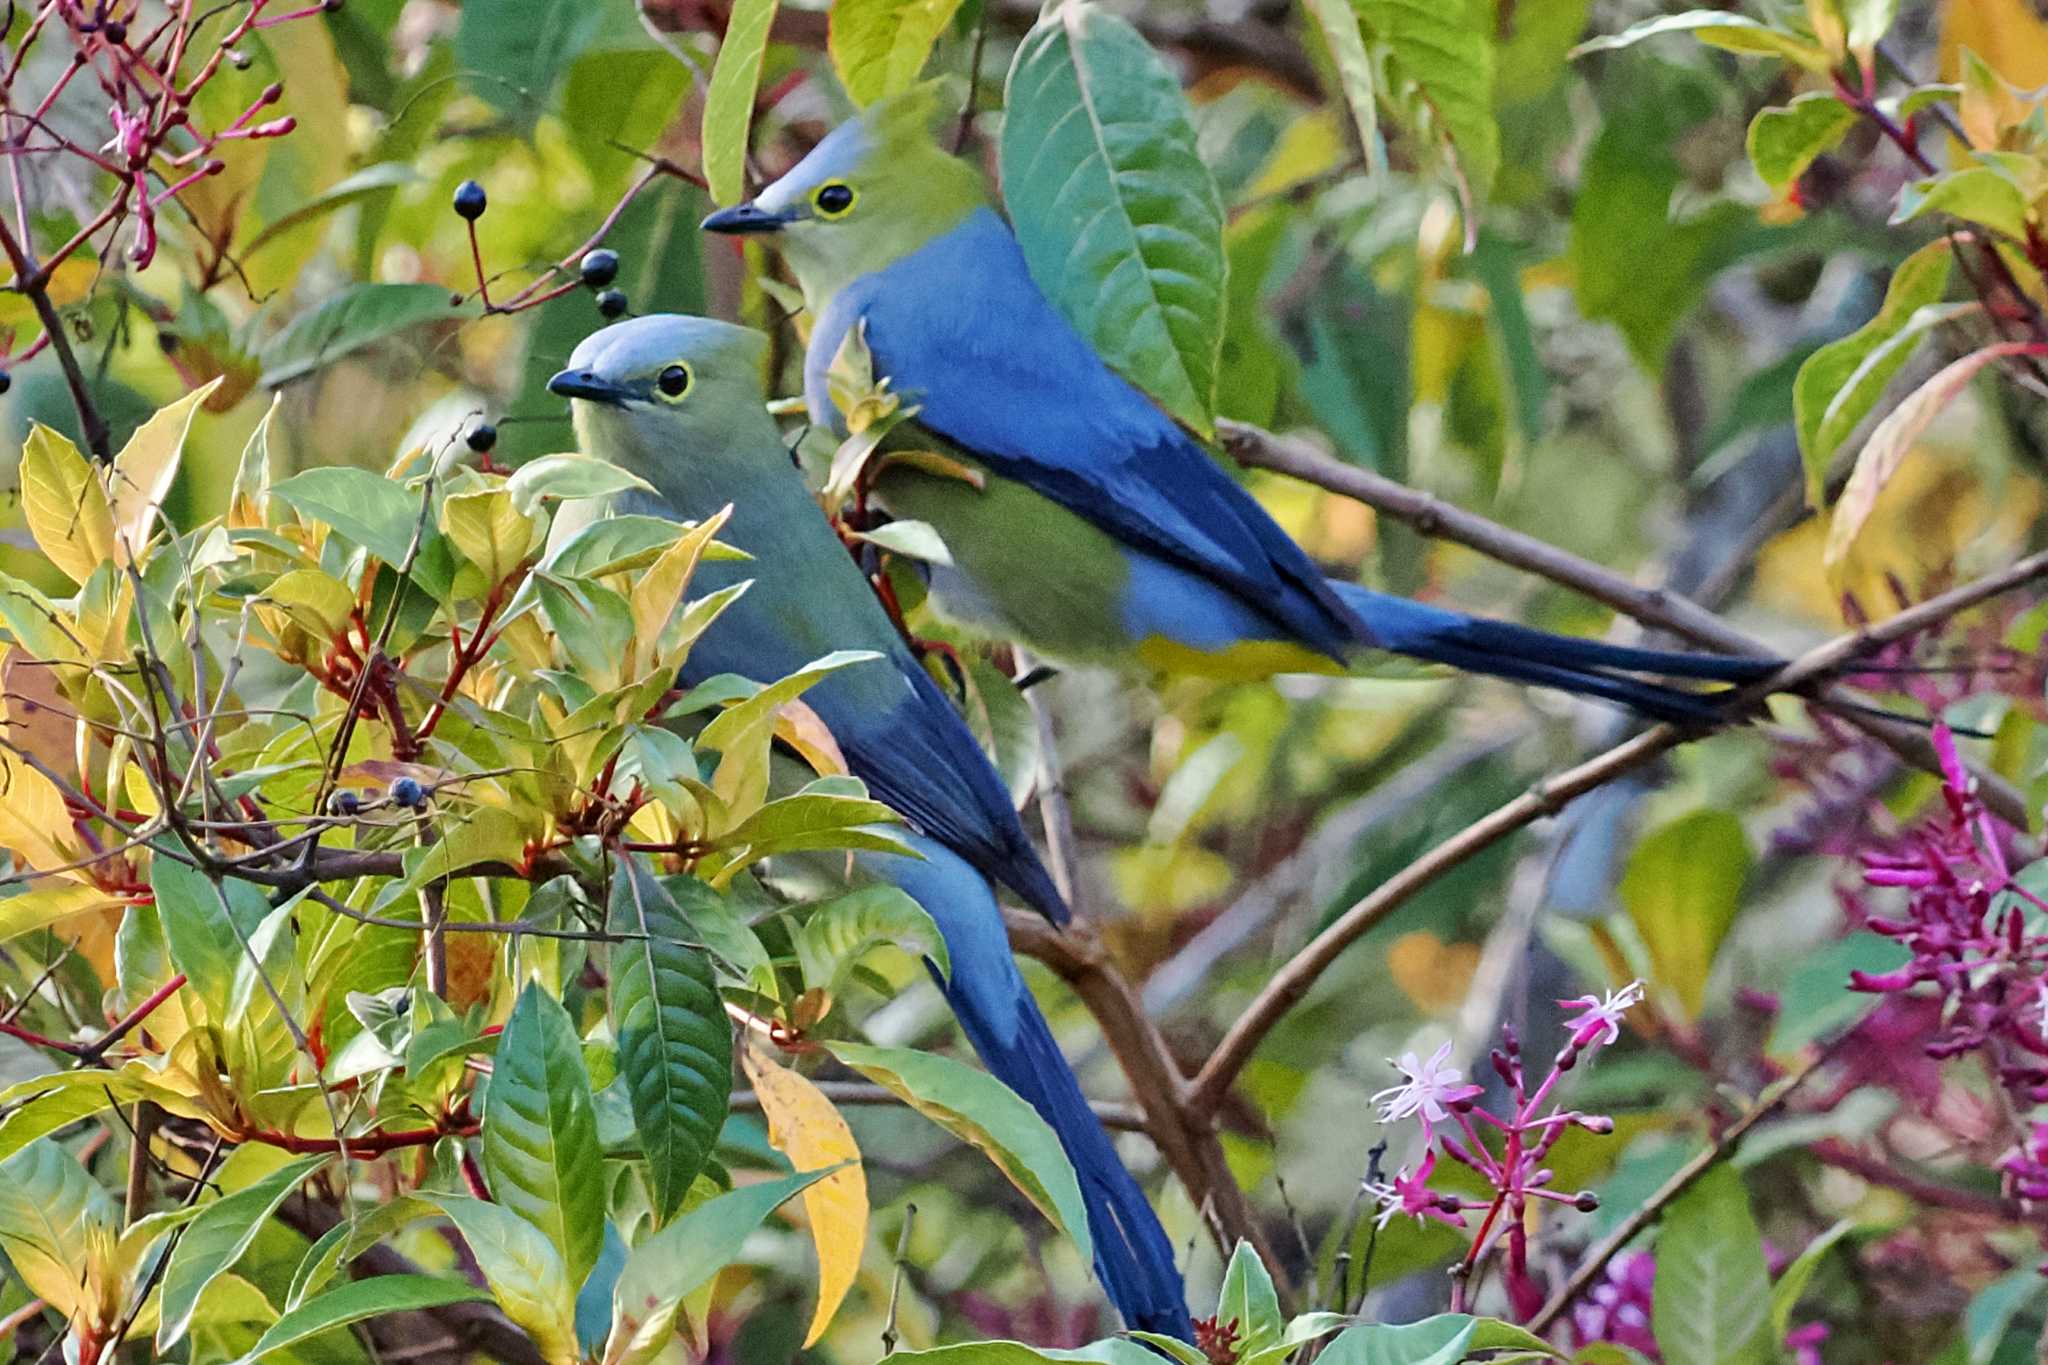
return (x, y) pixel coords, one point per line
(896, 1280)
(1293, 980)
(1595, 1260)
(1657, 607)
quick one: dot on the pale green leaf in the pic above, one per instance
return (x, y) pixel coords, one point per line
(1682, 890)
(879, 46)
(1712, 1297)
(1785, 139)
(216, 1239)
(729, 105)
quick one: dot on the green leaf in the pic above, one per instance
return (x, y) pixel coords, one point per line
(1248, 1298)
(1791, 1285)
(742, 731)
(729, 105)
(1988, 1320)
(540, 1131)
(1682, 889)
(675, 1046)
(524, 1271)
(515, 51)
(1712, 1298)
(982, 1111)
(356, 1301)
(374, 512)
(843, 930)
(563, 477)
(382, 178)
(1440, 59)
(1114, 1351)
(1441, 1340)
(1843, 380)
(360, 316)
(1817, 1002)
(1118, 216)
(1869, 21)
(879, 46)
(48, 1204)
(663, 1270)
(204, 944)
(1718, 28)
(1785, 139)
(812, 820)
(1975, 194)
(1339, 23)
(917, 539)
(216, 1239)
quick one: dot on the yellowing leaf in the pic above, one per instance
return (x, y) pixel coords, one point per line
(66, 508)
(145, 467)
(317, 602)
(34, 825)
(491, 531)
(2008, 33)
(659, 591)
(49, 903)
(1886, 449)
(803, 1126)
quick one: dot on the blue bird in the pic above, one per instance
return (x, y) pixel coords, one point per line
(1096, 529)
(679, 401)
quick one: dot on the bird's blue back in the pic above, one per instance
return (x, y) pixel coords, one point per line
(961, 330)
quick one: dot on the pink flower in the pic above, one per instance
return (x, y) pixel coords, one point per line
(1412, 1195)
(1601, 1024)
(1431, 1087)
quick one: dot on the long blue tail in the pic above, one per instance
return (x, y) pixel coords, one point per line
(1133, 1258)
(1589, 668)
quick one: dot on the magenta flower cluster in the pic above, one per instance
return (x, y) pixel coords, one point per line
(1507, 1150)
(1978, 939)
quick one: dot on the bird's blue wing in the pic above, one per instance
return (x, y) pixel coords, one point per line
(961, 330)
(897, 731)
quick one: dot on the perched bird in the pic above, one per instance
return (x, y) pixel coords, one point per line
(679, 401)
(1102, 531)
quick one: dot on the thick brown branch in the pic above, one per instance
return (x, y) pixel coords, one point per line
(1651, 606)
(1185, 1138)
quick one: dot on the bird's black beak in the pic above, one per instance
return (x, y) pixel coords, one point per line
(742, 219)
(583, 384)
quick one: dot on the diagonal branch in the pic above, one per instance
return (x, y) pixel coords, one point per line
(1293, 980)
(1652, 606)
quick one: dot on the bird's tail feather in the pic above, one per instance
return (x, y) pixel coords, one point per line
(1133, 1258)
(1591, 668)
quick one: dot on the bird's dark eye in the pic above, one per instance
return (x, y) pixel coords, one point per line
(674, 381)
(834, 199)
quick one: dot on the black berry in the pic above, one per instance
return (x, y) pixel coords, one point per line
(407, 792)
(482, 437)
(611, 303)
(6, 381)
(344, 803)
(470, 200)
(600, 267)
(114, 31)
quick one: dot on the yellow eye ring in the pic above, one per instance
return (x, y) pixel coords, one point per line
(674, 382)
(834, 199)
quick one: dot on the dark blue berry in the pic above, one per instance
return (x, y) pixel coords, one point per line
(612, 304)
(407, 792)
(344, 803)
(470, 200)
(600, 267)
(6, 381)
(482, 437)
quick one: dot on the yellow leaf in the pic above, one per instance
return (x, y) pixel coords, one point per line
(491, 532)
(798, 726)
(2008, 33)
(317, 602)
(1895, 435)
(660, 590)
(34, 824)
(145, 467)
(1430, 972)
(803, 1126)
(49, 903)
(65, 506)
